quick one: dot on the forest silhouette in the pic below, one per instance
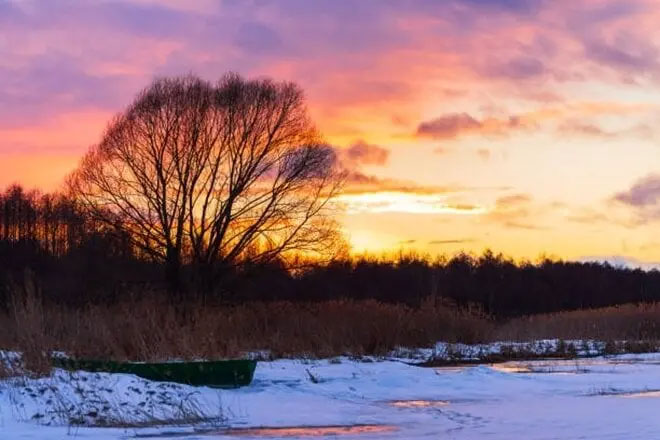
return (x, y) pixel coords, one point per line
(223, 192)
(71, 259)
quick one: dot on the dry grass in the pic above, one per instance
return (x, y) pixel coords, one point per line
(26, 325)
(152, 330)
(632, 322)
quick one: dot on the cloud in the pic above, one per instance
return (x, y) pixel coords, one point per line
(587, 216)
(581, 127)
(454, 125)
(643, 198)
(623, 262)
(367, 193)
(363, 153)
(68, 57)
(360, 183)
(55, 80)
(527, 226)
(448, 126)
(574, 118)
(364, 193)
(644, 193)
(625, 51)
(257, 38)
(411, 202)
(518, 6)
(451, 241)
(513, 200)
(518, 68)
(355, 157)
(483, 153)
(517, 211)
(327, 55)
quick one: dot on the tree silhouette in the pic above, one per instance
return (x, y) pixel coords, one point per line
(213, 175)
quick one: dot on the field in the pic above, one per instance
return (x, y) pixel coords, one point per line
(597, 398)
(360, 369)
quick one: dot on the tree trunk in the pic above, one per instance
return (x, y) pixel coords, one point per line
(173, 273)
(208, 280)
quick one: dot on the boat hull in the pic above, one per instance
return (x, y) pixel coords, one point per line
(218, 374)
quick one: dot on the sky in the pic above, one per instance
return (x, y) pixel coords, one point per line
(529, 127)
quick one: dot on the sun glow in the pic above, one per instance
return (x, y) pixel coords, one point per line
(394, 201)
(552, 121)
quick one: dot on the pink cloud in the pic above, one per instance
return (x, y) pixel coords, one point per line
(363, 64)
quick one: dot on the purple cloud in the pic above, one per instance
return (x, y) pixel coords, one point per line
(643, 194)
(367, 154)
(522, 67)
(518, 6)
(453, 125)
(69, 55)
(257, 38)
(626, 53)
(448, 126)
(55, 82)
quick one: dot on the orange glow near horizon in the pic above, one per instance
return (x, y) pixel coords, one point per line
(526, 127)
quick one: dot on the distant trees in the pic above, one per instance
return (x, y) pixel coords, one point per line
(213, 175)
(48, 243)
(49, 220)
(228, 181)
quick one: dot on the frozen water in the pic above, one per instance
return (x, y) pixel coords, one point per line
(596, 398)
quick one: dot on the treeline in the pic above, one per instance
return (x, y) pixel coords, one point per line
(47, 245)
(496, 284)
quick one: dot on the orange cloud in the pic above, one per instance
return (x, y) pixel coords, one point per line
(404, 202)
(555, 77)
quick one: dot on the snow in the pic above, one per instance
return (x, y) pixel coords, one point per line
(596, 398)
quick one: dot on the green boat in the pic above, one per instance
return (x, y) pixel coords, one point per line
(217, 374)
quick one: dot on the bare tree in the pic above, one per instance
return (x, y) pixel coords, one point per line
(213, 175)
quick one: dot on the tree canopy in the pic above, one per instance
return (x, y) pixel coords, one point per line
(213, 175)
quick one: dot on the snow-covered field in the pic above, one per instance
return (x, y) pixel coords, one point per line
(596, 398)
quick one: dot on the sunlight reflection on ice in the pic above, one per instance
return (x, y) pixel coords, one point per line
(546, 367)
(456, 369)
(419, 403)
(641, 394)
(310, 431)
(511, 368)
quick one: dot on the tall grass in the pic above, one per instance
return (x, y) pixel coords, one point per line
(26, 326)
(639, 322)
(153, 330)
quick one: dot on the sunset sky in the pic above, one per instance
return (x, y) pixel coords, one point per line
(526, 126)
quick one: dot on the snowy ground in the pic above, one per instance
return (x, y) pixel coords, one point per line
(595, 398)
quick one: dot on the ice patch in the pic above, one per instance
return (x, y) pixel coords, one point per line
(309, 431)
(419, 403)
(655, 394)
